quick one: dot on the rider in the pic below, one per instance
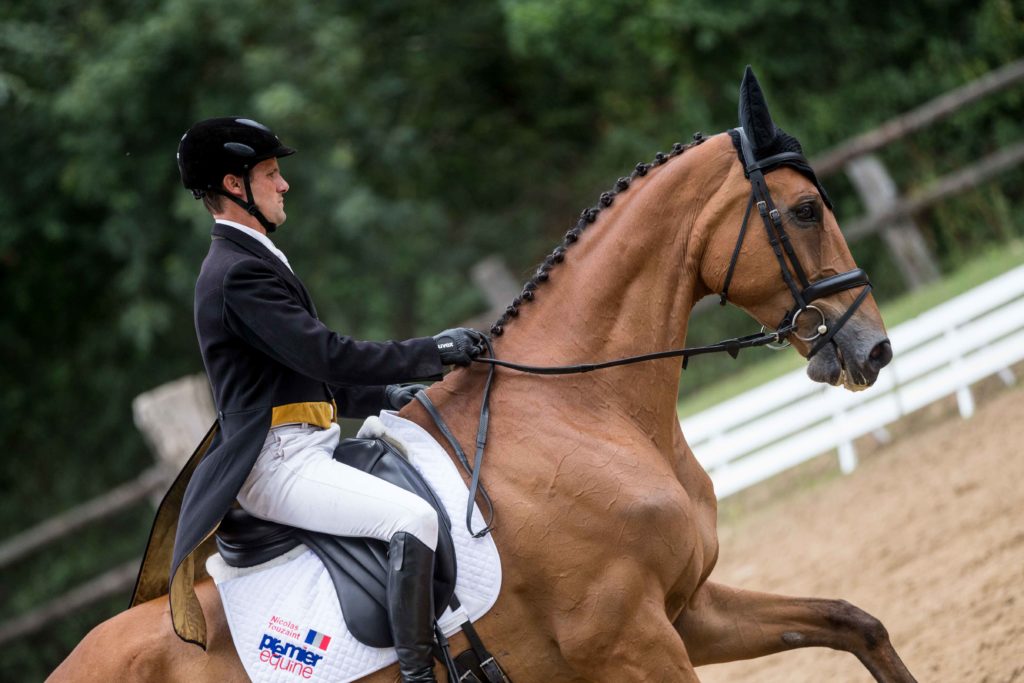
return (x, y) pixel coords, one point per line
(279, 379)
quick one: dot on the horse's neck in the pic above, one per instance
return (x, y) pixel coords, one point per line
(625, 288)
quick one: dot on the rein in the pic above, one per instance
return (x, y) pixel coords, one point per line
(730, 346)
(803, 296)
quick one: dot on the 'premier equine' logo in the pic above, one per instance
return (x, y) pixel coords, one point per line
(289, 657)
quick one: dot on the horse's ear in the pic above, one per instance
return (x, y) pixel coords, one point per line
(754, 116)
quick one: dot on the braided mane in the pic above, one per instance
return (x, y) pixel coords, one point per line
(587, 217)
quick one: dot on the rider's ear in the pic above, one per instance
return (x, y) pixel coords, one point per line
(754, 116)
(233, 184)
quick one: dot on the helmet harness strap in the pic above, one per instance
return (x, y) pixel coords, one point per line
(249, 203)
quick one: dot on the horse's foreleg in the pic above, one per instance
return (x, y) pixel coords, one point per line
(608, 650)
(723, 624)
(616, 631)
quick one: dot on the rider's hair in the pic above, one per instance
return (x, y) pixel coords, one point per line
(213, 202)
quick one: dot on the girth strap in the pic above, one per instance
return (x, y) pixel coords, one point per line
(485, 661)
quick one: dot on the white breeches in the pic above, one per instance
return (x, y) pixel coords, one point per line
(297, 482)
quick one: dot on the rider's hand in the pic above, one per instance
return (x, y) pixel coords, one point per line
(460, 345)
(398, 396)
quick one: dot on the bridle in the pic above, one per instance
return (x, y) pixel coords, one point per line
(789, 263)
(803, 291)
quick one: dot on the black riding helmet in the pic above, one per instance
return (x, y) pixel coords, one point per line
(213, 148)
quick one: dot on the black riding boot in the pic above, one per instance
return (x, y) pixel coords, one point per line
(411, 606)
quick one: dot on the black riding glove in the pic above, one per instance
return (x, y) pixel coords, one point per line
(398, 396)
(460, 345)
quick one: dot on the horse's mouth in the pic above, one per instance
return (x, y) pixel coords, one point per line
(846, 378)
(829, 366)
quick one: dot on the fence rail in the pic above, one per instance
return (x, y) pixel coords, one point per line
(781, 424)
(115, 581)
(66, 523)
(957, 182)
(928, 113)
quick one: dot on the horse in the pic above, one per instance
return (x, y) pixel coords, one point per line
(606, 522)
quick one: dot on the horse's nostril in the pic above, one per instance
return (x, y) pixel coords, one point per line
(881, 354)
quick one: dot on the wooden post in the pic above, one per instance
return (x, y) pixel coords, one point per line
(492, 277)
(174, 417)
(961, 180)
(878, 192)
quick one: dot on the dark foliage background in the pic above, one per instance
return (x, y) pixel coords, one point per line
(430, 135)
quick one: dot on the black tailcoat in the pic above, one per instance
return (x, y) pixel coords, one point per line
(263, 346)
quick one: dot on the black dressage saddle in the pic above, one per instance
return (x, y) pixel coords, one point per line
(357, 566)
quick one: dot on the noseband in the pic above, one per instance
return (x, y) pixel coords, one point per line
(806, 292)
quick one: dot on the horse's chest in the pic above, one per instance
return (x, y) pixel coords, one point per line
(592, 503)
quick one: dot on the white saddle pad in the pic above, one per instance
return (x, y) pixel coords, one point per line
(284, 615)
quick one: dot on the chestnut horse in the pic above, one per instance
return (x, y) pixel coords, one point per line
(606, 521)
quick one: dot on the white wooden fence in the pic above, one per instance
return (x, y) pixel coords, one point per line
(789, 420)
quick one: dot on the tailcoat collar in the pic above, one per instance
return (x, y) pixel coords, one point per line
(255, 247)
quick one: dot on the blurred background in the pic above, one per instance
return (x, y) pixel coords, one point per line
(431, 136)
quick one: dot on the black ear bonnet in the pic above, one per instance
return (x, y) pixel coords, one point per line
(783, 142)
(765, 138)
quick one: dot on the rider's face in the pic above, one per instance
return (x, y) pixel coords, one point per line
(268, 189)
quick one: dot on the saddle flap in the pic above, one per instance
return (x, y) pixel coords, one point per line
(357, 566)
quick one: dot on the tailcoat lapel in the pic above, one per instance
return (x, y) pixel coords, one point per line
(246, 242)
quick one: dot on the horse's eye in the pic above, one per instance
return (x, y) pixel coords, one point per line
(805, 212)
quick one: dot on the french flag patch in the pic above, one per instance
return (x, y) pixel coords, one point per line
(318, 640)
